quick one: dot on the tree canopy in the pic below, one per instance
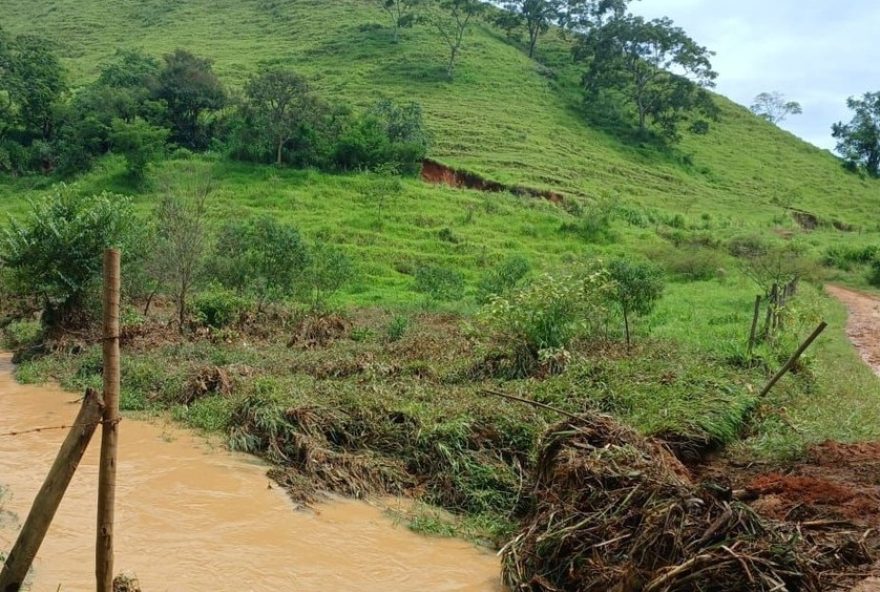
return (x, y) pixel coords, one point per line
(859, 140)
(654, 66)
(774, 107)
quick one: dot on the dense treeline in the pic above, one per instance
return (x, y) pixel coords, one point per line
(141, 106)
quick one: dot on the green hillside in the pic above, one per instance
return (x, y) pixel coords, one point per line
(504, 116)
(521, 122)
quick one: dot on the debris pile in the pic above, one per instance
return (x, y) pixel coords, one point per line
(616, 512)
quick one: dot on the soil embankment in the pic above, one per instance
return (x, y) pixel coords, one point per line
(191, 517)
(441, 174)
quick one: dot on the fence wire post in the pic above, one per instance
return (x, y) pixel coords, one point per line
(110, 431)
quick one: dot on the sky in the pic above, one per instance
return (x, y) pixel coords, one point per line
(815, 52)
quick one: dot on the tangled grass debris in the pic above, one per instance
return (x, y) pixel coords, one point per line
(616, 511)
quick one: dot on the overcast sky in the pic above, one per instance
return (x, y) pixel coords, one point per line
(816, 52)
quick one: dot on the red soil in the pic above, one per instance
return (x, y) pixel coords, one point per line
(441, 174)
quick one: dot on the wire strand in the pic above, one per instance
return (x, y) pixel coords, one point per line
(60, 427)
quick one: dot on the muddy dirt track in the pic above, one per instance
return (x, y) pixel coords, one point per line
(863, 326)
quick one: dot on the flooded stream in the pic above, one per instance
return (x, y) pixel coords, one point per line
(195, 517)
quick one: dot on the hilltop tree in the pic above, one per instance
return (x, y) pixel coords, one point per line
(654, 65)
(189, 87)
(581, 15)
(279, 102)
(536, 16)
(403, 13)
(452, 20)
(773, 107)
(859, 140)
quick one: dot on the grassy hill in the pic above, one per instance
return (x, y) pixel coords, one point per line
(517, 121)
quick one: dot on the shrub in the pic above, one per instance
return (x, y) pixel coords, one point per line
(595, 224)
(139, 142)
(692, 265)
(540, 320)
(636, 287)
(396, 328)
(262, 258)
(844, 257)
(218, 307)
(439, 283)
(329, 270)
(21, 334)
(502, 278)
(874, 274)
(56, 253)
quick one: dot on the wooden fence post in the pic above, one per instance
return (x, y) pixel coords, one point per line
(792, 359)
(109, 434)
(49, 497)
(754, 324)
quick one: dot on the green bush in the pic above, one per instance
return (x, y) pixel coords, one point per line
(845, 257)
(439, 283)
(218, 307)
(503, 278)
(57, 252)
(22, 334)
(330, 269)
(262, 258)
(396, 328)
(540, 320)
(874, 274)
(691, 265)
(636, 287)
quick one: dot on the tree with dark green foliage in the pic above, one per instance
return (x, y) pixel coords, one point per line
(579, 16)
(452, 19)
(130, 68)
(403, 13)
(636, 288)
(190, 88)
(536, 16)
(33, 81)
(57, 252)
(139, 142)
(773, 107)
(390, 137)
(261, 258)
(859, 140)
(509, 22)
(655, 66)
(279, 103)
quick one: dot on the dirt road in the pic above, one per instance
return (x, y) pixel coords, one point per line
(863, 326)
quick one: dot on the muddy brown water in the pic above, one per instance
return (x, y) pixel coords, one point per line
(192, 516)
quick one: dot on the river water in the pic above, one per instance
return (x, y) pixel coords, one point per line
(194, 517)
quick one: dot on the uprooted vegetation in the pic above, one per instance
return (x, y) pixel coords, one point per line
(614, 511)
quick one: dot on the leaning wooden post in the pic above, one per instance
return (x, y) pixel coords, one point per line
(754, 324)
(49, 497)
(109, 434)
(794, 358)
